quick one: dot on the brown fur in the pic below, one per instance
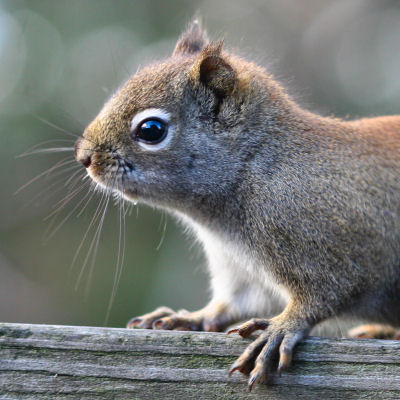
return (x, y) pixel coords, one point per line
(279, 196)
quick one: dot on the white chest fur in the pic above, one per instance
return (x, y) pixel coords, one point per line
(236, 275)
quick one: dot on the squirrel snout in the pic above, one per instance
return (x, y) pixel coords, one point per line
(82, 154)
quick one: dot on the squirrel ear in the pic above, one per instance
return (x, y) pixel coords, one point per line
(213, 71)
(192, 41)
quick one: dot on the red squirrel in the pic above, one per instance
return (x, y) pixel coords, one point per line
(280, 198)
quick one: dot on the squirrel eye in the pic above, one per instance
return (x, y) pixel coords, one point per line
(151, 131)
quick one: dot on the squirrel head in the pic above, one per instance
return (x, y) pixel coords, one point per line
(179, 133)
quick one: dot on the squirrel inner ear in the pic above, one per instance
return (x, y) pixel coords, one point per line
(192, 41)
(214, 71)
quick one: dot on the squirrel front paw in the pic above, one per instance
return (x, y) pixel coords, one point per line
(166, 318)
(280, 336)
(146, 321)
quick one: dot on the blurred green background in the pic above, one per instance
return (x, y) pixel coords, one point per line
(60, 61)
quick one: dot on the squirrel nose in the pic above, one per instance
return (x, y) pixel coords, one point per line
(82, 155)
(86, 161)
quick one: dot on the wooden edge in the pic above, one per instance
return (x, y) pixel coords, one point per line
(88, 357)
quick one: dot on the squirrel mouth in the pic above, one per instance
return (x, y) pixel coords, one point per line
(115, 177)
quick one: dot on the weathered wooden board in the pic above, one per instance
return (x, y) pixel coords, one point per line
(66, 362)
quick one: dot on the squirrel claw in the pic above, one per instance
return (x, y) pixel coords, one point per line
(246, 329)
(239, 366)
(133, 323)
(252, 381)
(235, 367)
(157, 324)
(280, 370)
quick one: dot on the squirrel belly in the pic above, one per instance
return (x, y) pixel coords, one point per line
(284, 201)
(236, 277)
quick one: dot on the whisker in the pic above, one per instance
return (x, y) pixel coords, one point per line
(58, 128)
(70, 163)
(67, 182)
(68, 215)
(59, 164)
(52, 125)
(120, 257)
(43, 143)
(123, 214)
(93, 249)
(45, 191)
(98, 232)
(64, 171)
(47, 150)
(53, 150)
(163, 232)
(63, 202)
(70, 116)
(88, 201)
(93, 220)
(129, 209)
(161, 221)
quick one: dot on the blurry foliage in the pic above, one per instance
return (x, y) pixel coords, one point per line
(60, 60)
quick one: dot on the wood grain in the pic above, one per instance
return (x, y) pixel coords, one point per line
(43, 362)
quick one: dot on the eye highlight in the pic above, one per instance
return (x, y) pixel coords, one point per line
(151, 131)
